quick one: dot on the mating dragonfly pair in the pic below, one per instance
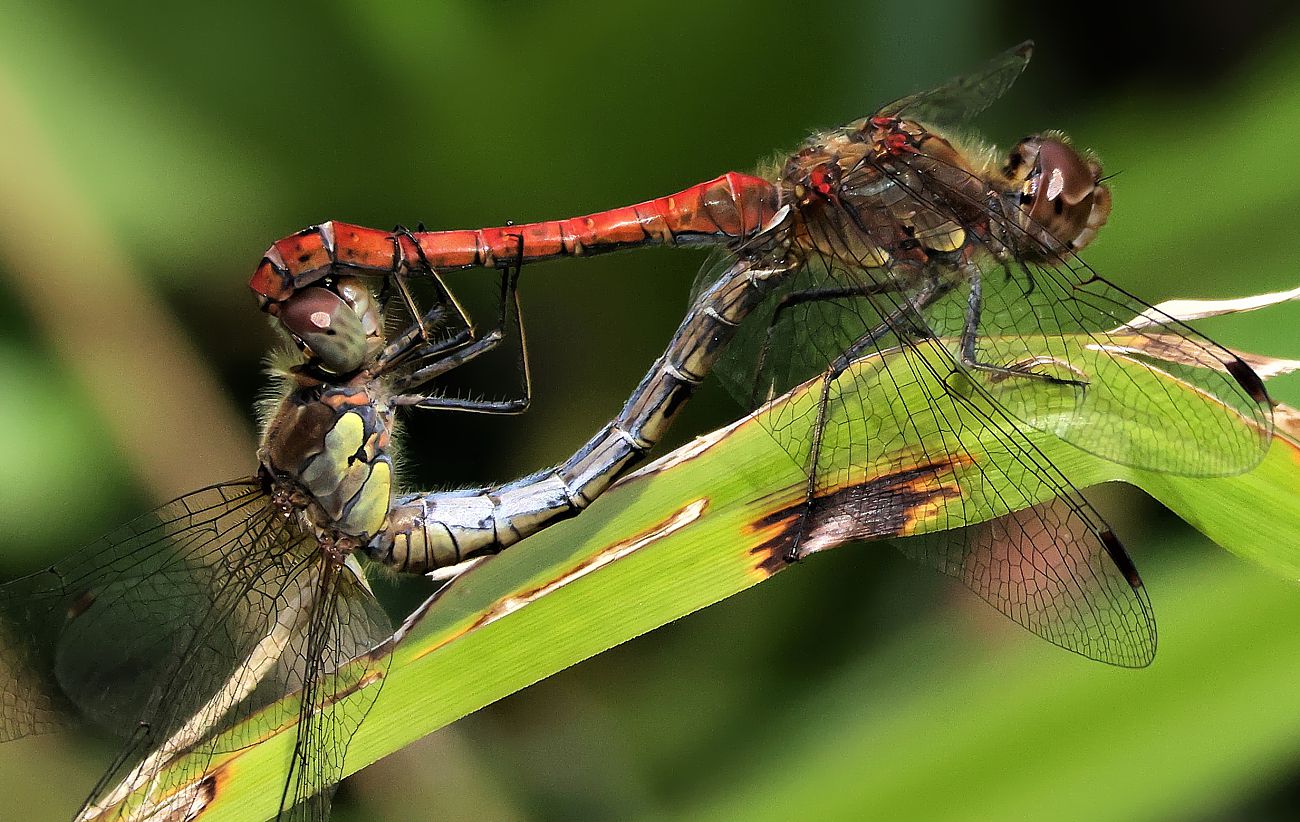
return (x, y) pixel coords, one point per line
(886, 236)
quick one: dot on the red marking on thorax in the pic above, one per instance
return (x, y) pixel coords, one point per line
(822, 181)
(891, 138)
(344, 397)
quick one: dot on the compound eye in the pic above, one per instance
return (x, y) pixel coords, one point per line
(329, 328)
(1061, 192)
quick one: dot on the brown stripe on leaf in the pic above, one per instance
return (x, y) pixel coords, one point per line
(623, 548)
(505, 606)
(190, 800)
(203, 795)
(881, 506)
(1287, 420)
(185, 805)
(370, 678)
(1245, 369)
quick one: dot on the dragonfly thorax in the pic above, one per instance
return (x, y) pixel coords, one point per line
(889, 191)
(864, 195)
(327, 447)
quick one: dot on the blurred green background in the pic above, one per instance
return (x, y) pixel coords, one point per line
(150, 153)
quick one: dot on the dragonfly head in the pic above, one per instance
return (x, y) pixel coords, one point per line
(1057, 196)
(337, 326)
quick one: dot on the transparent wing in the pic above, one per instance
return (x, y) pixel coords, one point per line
(172, 630)
(963, 98)
(1203, 412)
(104, 632)
(907, 451)
(309, 671)
(1056, 570)
(987, 348)
(335, 696)
(1155, 395)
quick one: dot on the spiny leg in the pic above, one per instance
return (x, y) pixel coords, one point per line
(439, 358)
(444, 294)
(436, 353)
(426, 531)
(970, 336)
(811, 295)
(470, 350)
(909, 311)
(409, 342)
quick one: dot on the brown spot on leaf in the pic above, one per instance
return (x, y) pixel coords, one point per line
(882, 506)
(190, 802)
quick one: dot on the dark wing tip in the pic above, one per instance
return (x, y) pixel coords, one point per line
(1249, 381)
(1115, 549)
(1143, 651)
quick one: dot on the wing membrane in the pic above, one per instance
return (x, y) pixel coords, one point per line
(998, 515)
(963, 98)
(179, 626)
(1203, 413)
(1012, 527)
(335, 697)
(163, 576)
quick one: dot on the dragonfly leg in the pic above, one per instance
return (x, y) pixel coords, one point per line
(416, 354)
(408, 342)
(426, 531)
(509, 314)
(905, 314)
(460, 348)
(796, 298)
(445, 295)
(416, 338)
(442, 358)
(514, 405)
(970, 336)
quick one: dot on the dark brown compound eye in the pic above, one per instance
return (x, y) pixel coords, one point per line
(328, 327)
(1060, 192)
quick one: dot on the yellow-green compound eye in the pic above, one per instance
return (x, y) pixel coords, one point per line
(328, 327)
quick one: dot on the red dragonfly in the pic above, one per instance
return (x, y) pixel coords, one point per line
(896, 232)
